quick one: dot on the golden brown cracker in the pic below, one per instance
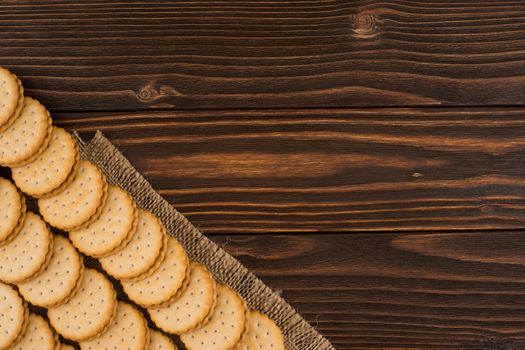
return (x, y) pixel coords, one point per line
(28, 253)
(12, 211)
(166, 282)
(113, 229)
(225, 326)
(78, 204)
(261, 333)
(89, 312)
(27, 137)
(51, 169)
(38, 336)
(11, 98)
(159, 341)
(143, 251)
(192, 307)
(13, 316)
(128, 331)
(55, 284)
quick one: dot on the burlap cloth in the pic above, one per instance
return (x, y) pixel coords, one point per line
(299, 335)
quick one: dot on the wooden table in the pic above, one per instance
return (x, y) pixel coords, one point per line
(365, 158)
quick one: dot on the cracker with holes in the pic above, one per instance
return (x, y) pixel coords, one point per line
(28, 253)
(66, 347)
(225, 326)
(159, 341)
(12, 211)
(89, 312)
(11, 98)
(192, 308)
(128, 331)
(166, 283)
(144, 253)
(13, 316)
(59, 280)
(113, 229)
(38, 336)
(27, 137)
(52, 170)
(261, 333)
(78, 204)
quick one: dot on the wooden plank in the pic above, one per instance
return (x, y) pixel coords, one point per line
(138, 55)
(329, 170)
(398, 291)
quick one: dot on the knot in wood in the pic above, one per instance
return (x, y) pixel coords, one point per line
(364, 25)
(147, 93)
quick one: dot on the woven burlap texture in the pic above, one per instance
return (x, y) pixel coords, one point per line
(299, 334)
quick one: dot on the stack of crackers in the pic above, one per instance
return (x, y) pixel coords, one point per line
(44, 267)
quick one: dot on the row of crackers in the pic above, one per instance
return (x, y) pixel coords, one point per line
(101, 221)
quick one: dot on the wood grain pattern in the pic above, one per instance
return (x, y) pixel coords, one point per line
(267, 116)
(328, 170)
(398, 291)
(138, 55)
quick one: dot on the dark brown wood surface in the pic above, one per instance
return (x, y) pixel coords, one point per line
(462, 290)
(130, 55)
(328, 170)
(364, 158)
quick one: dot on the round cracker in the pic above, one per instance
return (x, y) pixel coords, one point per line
(18, 109)
(225, 326)
(261, 333)
(51, 169)
(66, 347)
(28, 253)
(60, 278)
(89, 312)
(38, 336)
(128, 331)
(79, 203)
(13, 316)
(27, 137)
(159, 341)
(112, 230)
(165, 283)
(142, 253)
(192, 307)
(11, 98)
(12, 211)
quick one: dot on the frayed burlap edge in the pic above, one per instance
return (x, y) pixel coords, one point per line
(299, 335)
